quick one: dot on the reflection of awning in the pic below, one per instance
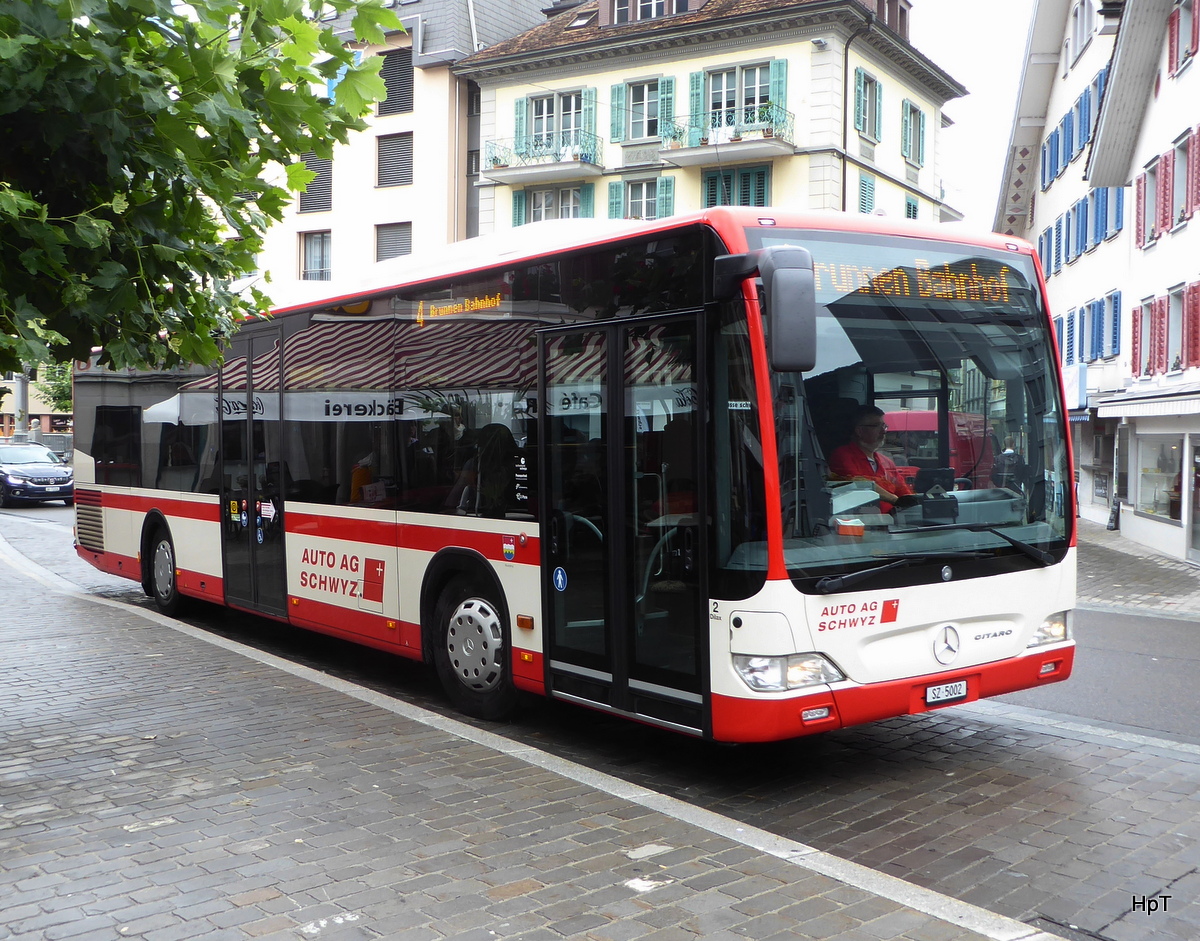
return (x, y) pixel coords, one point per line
(390, 354)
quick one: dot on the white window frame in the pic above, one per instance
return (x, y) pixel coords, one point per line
(643, 109)
(1175, 327)
(641, 194)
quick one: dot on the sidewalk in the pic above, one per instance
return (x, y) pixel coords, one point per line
(1115, 572)
(165, 784)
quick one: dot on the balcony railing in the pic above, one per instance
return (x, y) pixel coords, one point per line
(543, 149)
(731, 124)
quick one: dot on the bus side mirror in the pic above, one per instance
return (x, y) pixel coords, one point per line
(789, 300)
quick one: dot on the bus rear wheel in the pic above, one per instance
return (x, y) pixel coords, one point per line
(163, 587)
(471, 652)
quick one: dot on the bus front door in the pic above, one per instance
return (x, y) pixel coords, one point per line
(251, 495)
(622, 496)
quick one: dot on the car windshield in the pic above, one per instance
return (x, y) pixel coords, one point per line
(27, 454)
(935, 375)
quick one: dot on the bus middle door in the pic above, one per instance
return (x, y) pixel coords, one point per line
(623, 550)
(251, 494)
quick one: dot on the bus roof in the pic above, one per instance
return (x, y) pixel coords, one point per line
(515, 246)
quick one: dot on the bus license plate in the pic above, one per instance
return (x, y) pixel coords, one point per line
(946, 692)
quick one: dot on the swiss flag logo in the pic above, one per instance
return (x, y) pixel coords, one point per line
(891, 610)
(373, 573)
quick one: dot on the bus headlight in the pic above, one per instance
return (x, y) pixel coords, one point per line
(774, 674)
(1054, 630)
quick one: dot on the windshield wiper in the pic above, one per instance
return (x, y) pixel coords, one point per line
(1038, 555)
(832, 583)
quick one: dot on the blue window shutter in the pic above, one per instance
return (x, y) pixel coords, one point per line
(1120, 220)
(616, 99)
(1058, 335)
(1099, 214)
(1058, 227)
(616, 200)
(1069, 345)
(1115, 348)
(696, 111)
(518, 208)
(920, 138)
(1045, 175)
(1097, 350)
(520, 124)
(1068, 137)
(905, 128)
(779, 82)
(878, 111)
(666, 101)
(860, 100)
(665, 197)
(587, 200)
(589, 114)
(1055, 153)
(1085, 117)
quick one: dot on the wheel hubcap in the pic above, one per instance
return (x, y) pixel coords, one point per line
(164, 570)
(475, 644)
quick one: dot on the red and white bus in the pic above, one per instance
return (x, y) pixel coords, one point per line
(590, 462)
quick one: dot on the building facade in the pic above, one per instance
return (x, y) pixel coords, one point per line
(408, 179)
(646, 108)
(1080, 231)
(1103, 174)
(1148, 136)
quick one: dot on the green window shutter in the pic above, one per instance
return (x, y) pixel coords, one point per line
(665, 197)
(696, 117)
(757, 187)
(920, 138)
(518, 208)
(906, 128)
(866, 192)
(587, 200)
(860, 100)
(520, 124)
(616, 200)
(779, 82)
(878, 111)
(589, 112)
(666, 102)
(718, 188)
(616, 98)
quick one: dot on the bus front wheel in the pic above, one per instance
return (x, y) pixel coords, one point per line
(163, 587)
(471, 652)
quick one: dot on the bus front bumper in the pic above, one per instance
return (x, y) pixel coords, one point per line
(735, 719)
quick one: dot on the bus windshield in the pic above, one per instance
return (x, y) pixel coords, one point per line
(930, 427)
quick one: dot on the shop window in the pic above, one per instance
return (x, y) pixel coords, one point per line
(1159, 475)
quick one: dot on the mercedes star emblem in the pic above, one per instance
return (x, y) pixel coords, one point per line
(946, 646)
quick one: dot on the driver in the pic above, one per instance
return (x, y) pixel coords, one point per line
(861, 459)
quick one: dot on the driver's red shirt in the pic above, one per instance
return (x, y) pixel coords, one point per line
(849, 462)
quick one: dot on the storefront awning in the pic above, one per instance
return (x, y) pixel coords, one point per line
(1156, 403)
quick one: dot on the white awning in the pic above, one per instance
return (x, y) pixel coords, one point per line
(1150, 407)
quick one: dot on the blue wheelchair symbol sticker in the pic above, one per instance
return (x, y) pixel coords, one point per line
(560, 578)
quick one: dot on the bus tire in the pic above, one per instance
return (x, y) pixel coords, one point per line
(163, 587)
(471, 651)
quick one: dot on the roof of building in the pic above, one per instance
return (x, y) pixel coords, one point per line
(575, 36)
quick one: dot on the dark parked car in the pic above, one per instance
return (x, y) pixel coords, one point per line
(34, 473)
